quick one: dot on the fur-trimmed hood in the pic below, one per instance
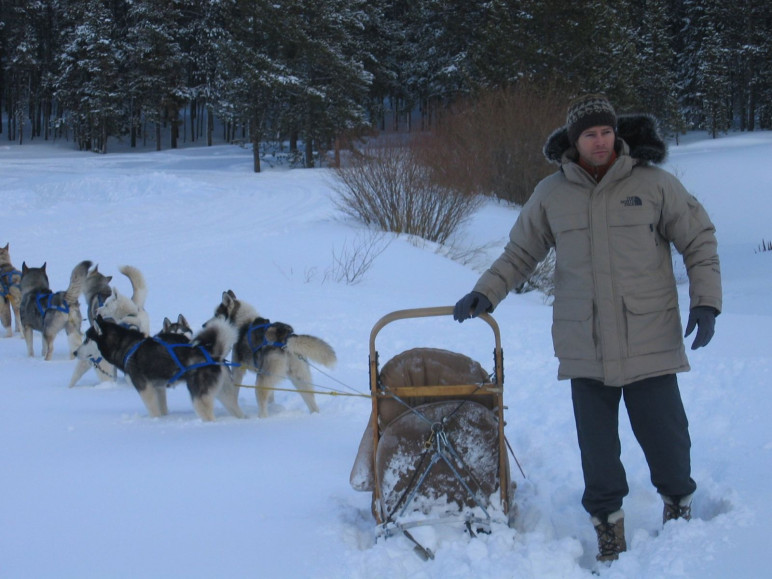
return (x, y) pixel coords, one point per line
(639, 131)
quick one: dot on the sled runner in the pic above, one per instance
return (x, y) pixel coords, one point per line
(434, 449)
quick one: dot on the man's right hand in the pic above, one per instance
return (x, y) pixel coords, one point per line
(471, 306)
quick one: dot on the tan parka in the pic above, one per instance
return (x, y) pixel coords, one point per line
(615, 314)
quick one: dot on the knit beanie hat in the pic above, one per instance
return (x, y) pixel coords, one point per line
(587, 111)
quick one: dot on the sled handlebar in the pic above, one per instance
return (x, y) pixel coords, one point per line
(427, 313)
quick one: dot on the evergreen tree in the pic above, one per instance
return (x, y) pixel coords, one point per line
(322, 48)
(156, 66)
(657, 83)
(499, 56)
(704, 66)
(253, 81)
(587, 46)
(439, 34)
(316, 71)
(26, 56)
(383, 53)
(749, 24)
(202, 24)
(90, 82)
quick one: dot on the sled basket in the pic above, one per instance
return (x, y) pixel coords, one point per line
(434, 445)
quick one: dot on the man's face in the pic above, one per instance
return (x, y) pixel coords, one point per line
(596, 144)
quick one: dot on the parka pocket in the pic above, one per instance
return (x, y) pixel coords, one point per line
(572, 329)
(569, 222)
(572, 241)
(653, 323)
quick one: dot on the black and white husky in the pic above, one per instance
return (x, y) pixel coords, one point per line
(51, 312)
(152, 364)
(273, 351)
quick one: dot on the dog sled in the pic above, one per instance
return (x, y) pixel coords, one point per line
(434, 450)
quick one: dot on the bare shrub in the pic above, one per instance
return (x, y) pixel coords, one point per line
(492, 143)
(389, 188)
(352, 262)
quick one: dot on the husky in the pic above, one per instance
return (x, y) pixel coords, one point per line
(122, 310)
(48, 312)
(10, 292)
(113, 306)
(181, 326)
(138, 295)
(125, 311)
(273, 351)
(96, 290)
(152, 364)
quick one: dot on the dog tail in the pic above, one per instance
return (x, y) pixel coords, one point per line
(312, 348)
(138, 285)
(77, 279)
(218, 337)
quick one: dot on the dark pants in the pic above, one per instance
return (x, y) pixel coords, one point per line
(659, 423)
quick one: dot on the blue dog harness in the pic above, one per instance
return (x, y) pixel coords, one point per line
(170, 348)
(44, 302)
(255, 348)
(6, 281)
(253, 328)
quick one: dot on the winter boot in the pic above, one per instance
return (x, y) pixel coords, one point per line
(611, 536)
(677, 508)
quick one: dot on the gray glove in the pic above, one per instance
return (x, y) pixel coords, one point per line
(471, 306)
(704, 318)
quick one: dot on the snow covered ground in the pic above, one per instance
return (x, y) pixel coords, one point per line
(92, 487)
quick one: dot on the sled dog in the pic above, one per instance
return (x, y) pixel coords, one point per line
(96, 290)
(181, 327)
(113, 306)
(50, 312)
(154, 363)
(10, 292)
(273, 351)
(128, 312)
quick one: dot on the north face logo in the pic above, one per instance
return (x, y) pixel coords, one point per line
(632, 201)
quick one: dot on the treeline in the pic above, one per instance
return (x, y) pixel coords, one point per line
(318, 71)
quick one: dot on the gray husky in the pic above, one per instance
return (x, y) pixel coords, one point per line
(273, 351)
(96, 290)
(154, 363)
(49, 313)
(10, 292)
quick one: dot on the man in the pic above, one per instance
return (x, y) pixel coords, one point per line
(611, 217)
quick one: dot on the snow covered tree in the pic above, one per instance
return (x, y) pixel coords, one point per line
(27, 49)
(322, 48)
(588, 46)
(90, 83)
(439, 35)
(704, 66)
(749, 24)
(657, 82)
(155, 66)
(202, 24)
(252, 78)
(498, 58)
(383, 54)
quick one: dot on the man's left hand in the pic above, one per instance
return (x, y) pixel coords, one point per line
(704, 318)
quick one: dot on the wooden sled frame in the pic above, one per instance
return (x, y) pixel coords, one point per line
(495, 388)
